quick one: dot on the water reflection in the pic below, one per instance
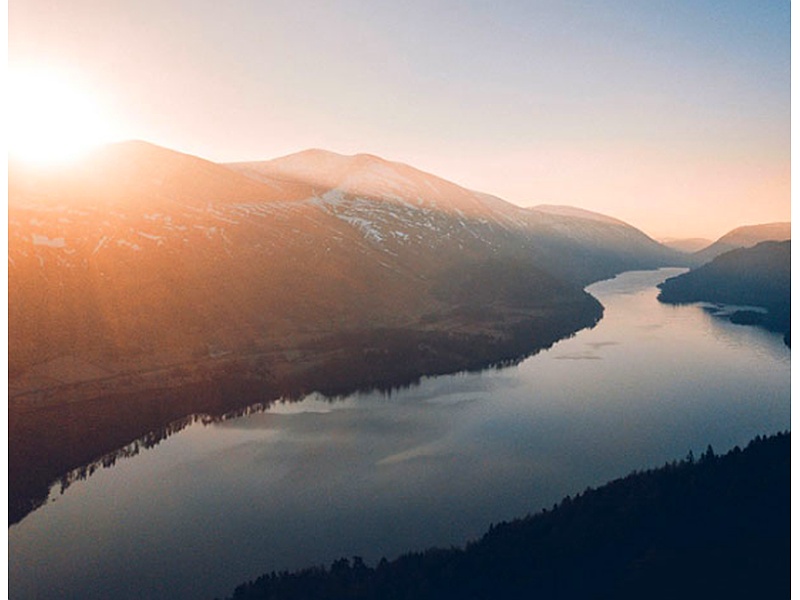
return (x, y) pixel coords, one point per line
(374, 474)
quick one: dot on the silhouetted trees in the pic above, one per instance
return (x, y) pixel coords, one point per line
(717, 527)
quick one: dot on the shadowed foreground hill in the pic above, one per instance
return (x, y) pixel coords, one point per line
(717, 527)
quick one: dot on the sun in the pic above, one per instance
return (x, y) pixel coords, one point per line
(51, 118)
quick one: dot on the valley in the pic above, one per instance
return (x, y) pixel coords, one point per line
(147, 285)
(361, 284)
(152, 290)
(211, 502)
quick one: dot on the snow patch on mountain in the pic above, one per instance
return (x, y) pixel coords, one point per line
(127, 244)
(150, 236)
(368, 228)
(43, 240)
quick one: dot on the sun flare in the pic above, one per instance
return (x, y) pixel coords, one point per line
(51, 118)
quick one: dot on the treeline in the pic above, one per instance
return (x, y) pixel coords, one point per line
(712, 527)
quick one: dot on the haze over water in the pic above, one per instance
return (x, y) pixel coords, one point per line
(374, 475)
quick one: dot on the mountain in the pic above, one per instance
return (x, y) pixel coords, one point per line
(744, 237)
(715, 527)
(140, 259)
(572, 211)
(759, 276)
(145, 285)
(585, 246)
(686, 244)
(143, 258)
(388, 199)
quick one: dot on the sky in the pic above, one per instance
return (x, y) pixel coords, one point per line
(671, 115)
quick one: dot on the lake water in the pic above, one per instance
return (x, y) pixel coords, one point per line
(375, 475)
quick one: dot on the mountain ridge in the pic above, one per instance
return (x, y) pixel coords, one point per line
(745, 236)
(587, 246)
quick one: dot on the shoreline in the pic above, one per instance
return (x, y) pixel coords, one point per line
(59, 430)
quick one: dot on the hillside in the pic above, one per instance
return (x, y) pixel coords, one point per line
(143, 259)
(387, 200)
(716, 527)
(759, 276)
(744, 237)
(146, 285)
(588, 246)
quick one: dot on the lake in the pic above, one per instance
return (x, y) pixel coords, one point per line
(374, 475)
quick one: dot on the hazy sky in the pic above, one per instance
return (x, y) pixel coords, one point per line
(674, 116)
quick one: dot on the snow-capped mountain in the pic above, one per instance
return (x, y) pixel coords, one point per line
(391, 202)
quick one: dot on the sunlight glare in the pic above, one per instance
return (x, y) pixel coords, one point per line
(50, 118)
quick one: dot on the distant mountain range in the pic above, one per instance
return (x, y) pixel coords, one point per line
(702, 250)
(686, 244)
(744, 237)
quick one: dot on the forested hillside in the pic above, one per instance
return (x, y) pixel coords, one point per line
(712, 527)
(759, 276)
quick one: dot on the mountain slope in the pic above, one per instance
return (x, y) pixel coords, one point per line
(572, 211)
(144, 257)
(586, 246)
(394, 203)
(758, 276)
(744, 237)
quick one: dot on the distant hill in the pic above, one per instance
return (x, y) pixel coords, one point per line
(744, 237)
(572, 211)
(758, 276)
(688, 245)
(715, 527)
